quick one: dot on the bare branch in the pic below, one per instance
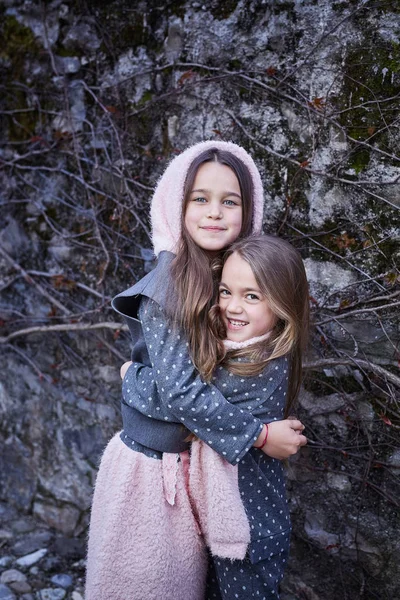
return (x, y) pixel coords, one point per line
(355, 362)
(29, 279)
(357, 312)
(63, 327)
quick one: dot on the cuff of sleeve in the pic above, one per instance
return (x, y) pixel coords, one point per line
(258, 425)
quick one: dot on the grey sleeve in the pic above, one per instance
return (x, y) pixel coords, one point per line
(270, 392)
(182, 395)
(139, 390)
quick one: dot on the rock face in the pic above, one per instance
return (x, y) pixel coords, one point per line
(96, 100)
(38, 574)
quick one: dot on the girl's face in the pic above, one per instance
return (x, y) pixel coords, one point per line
(213, 216)
(244, 309)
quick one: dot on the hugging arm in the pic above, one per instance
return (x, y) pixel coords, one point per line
(171, 389)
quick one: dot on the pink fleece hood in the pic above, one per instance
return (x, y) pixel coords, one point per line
(166, 204)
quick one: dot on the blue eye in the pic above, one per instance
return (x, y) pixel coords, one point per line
(230, 203)
(200, 200)
(252, 297)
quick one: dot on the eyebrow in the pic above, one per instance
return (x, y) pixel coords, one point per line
(227, 193)
(222, 284)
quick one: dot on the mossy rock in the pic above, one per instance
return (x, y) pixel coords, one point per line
(19, 45)
(222, 10)
(130, 27)
(371, 84)
(18, 41)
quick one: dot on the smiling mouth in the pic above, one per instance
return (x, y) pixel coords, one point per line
(234, 323)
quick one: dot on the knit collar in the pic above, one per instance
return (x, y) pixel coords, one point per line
(230, 345)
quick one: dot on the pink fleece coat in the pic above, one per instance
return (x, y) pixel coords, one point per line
(142, 547)
(159, 552)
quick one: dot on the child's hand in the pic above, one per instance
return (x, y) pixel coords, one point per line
(124, 368)
(285, 438)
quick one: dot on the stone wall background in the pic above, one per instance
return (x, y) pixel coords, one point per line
(96, 98)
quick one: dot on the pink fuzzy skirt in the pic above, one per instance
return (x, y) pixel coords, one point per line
(142, 547)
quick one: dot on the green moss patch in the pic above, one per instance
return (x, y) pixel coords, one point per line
(368, 101)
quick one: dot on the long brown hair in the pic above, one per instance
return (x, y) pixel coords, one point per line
(194, 275)
(279, 271)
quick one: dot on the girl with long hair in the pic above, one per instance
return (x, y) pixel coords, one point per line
(144, 540)
(260, 329)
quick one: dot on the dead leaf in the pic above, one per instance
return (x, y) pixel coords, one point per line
(385, 419)
(187, 75)
(345, 241)
(318, 103)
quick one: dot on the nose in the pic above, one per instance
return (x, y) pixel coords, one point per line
(234, 306)
(214, 210)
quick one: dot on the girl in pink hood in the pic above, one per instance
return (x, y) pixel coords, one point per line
(144, 540)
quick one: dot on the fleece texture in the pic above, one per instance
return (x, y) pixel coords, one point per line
(231, 345)
(166, 204)
(140, 546)
(213, 489)
(215, 495)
